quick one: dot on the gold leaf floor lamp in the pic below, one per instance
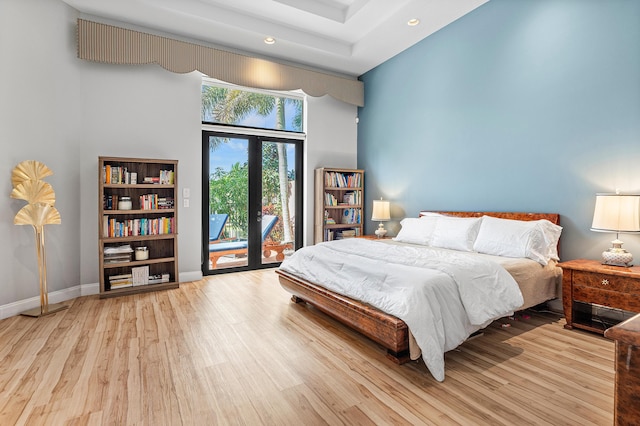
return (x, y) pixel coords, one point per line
(28, 185)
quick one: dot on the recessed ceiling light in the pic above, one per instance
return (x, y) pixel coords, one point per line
(413, 22)
(269, 40)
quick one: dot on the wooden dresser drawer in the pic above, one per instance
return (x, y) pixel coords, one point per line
(606, 297)
(606, 282)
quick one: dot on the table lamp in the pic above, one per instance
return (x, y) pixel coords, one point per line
(380, 214)
(620, 214)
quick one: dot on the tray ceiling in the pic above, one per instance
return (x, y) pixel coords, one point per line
(343, 36)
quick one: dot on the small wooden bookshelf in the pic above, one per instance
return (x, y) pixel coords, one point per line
(339, 197)
(137, 209)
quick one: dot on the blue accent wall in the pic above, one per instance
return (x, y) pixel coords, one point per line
(527, 105)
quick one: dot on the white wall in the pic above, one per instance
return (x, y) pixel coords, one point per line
(332, 138)
(66, 112)
(39, 113)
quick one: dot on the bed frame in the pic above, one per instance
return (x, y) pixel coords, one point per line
(391, 332)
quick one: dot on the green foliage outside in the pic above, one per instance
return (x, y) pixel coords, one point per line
(228, 193)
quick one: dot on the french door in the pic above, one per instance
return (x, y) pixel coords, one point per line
(252, 201)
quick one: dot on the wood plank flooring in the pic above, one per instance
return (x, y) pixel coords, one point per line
(232, 349)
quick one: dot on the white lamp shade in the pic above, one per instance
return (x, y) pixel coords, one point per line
(380, 211)
(616, 213)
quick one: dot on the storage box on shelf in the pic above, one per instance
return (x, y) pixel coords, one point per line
(339, 196)
(137, 225)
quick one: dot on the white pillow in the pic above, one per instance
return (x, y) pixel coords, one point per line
(456, 233)
(415, 231)
(552, 234)
(536, 240)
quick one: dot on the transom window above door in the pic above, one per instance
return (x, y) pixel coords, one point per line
(244, 107)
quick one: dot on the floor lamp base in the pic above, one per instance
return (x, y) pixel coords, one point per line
(37, 312)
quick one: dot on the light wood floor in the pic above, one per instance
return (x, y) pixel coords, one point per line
(232, 349)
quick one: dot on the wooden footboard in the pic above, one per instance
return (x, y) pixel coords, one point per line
(389, 331)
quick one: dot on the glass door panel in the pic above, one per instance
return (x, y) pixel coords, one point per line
(278, 200)
(228, 202)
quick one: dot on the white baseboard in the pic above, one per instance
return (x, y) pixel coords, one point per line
(89, 289)
(190, 276)
(15, 308)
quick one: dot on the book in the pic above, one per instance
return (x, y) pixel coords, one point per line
(120, 281)
(140, 275)
(118, 259)
(120, 285)
(124, 248)
(351, 216)
(166, 177)
(119, 277)
(348, 233)
(105, 226)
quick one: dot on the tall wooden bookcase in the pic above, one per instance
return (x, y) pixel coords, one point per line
(148, 218)
(339, 197)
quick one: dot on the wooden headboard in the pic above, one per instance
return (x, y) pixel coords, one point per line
(551, 217)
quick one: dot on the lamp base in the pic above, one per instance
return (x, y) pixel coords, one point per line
(37, 312)
(616, 255)
(380, 232)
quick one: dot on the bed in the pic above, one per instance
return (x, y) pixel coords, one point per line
(537, 284)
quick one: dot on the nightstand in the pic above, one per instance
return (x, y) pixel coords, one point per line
(586, 282)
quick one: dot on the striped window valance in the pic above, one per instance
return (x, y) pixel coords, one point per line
(114, 45)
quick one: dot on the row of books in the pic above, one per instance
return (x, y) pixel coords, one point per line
(330, 199)
(349, 198)
(343, 180)
(166, 178)
(111, 227)
(121, 175)
(352, 198)
(118, 254)
(138, 276)
(147, 202)
(154, 202)
(118, 174)
(330, 234)
(352, 216)
(110, 202)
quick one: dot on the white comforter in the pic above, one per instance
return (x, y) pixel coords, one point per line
(443, 296)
